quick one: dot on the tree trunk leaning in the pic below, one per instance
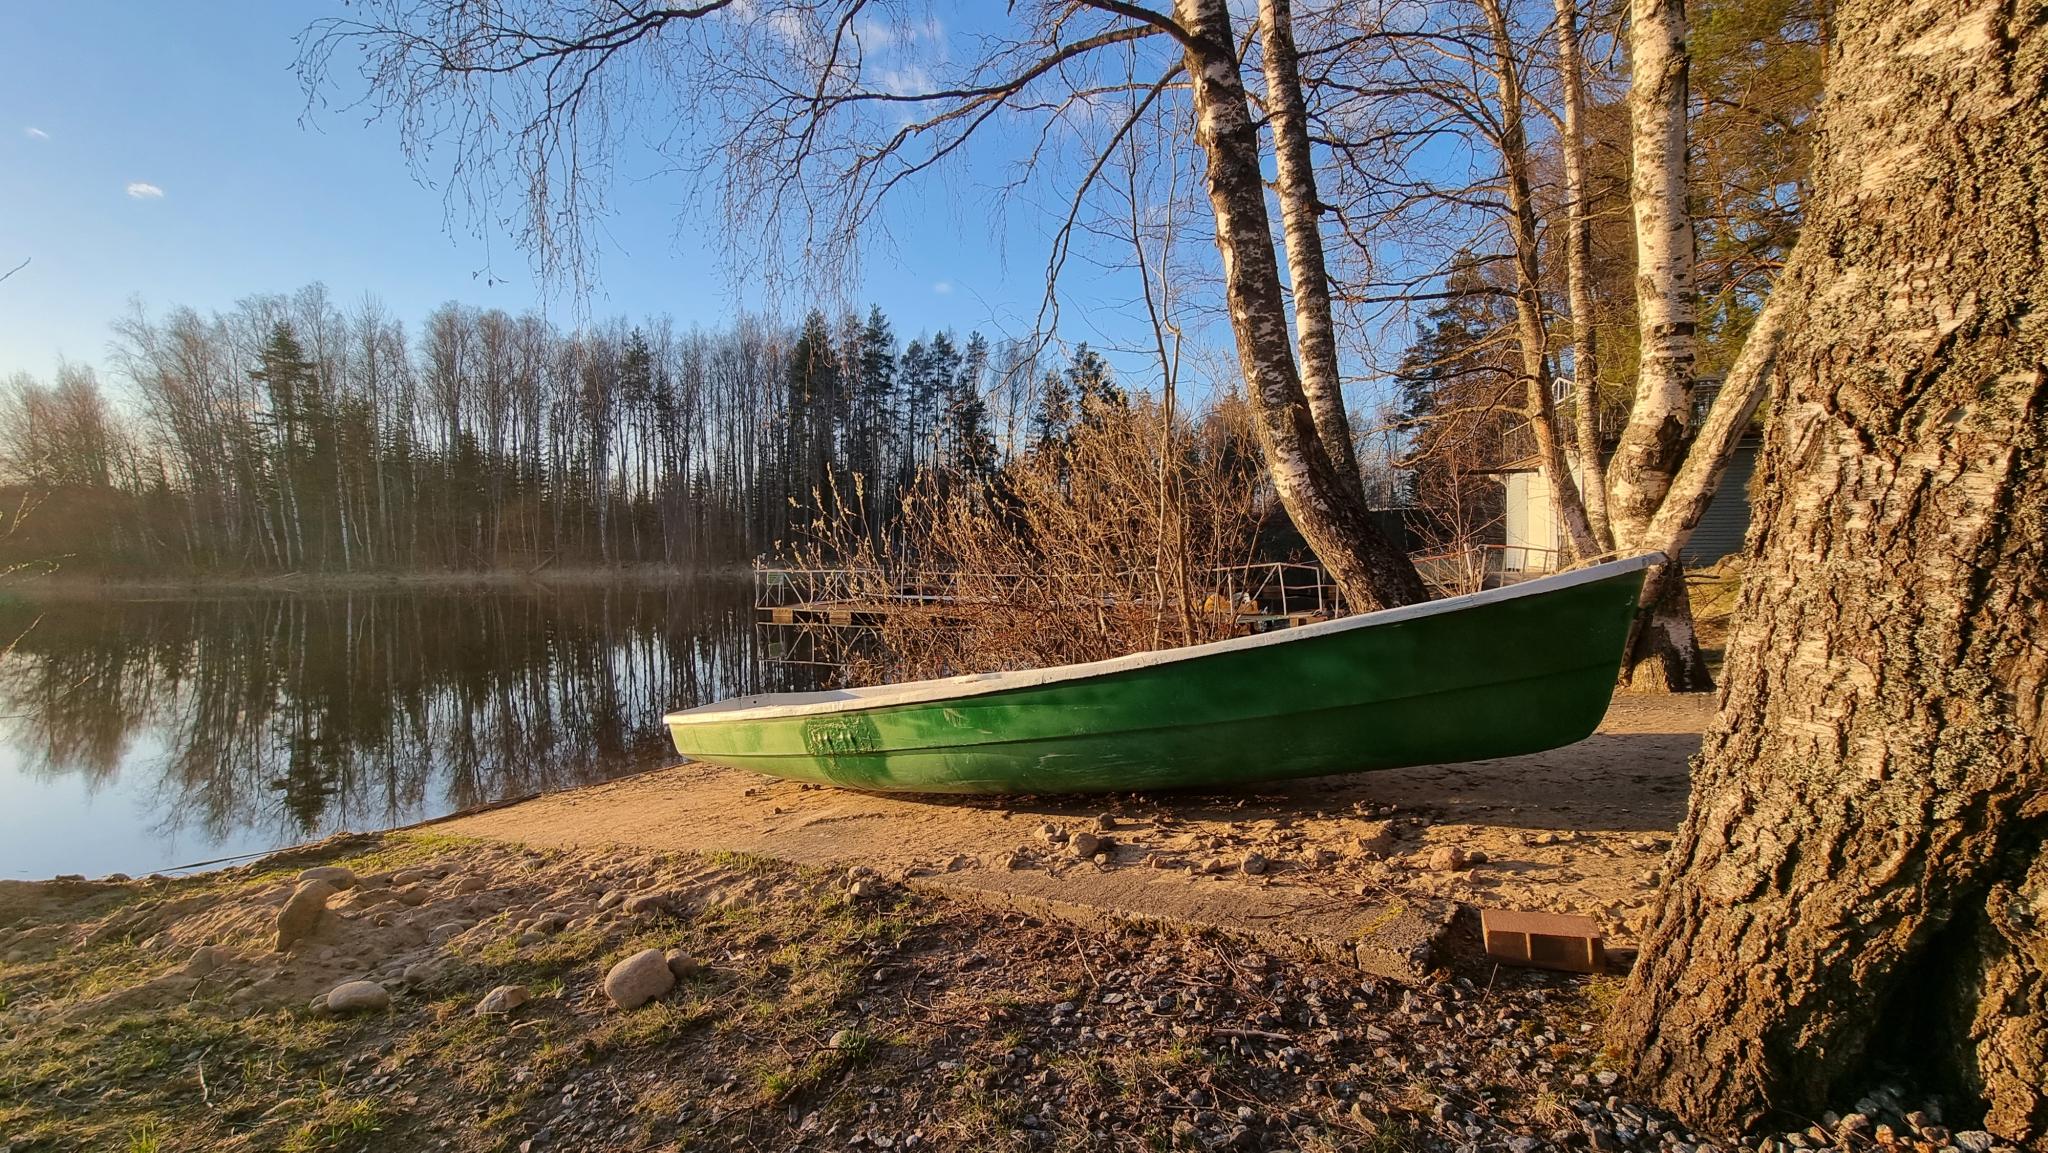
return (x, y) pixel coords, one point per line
(1373, 571)
(1301, 221)
(1861, 872)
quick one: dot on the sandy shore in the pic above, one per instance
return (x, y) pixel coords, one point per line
(1353, 863)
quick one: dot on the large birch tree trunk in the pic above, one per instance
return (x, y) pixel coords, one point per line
(1531, 332)
(1372, 570)
(1861, 869)
(1664, 652)
(1653, 441)
(1578, 266)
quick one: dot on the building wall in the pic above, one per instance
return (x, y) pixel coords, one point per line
(1529, 521)
(1726, 522)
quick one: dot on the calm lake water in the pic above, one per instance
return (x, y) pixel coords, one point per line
(144, 734)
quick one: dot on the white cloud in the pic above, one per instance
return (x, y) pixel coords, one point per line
(144, 190)
(943, 288)
(34, 133)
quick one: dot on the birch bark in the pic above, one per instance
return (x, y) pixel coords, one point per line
(1578, 265)
(1653, 441)
(1301, 221)
(1372, 570)
(1533, 334)
(1861, 867)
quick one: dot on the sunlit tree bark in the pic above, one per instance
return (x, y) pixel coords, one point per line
(1861, 868)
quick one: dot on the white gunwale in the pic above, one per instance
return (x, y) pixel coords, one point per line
(767, 706)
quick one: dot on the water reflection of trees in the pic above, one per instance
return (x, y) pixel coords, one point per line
(360, 710)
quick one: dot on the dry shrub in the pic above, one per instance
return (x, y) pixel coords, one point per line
(1104, 542)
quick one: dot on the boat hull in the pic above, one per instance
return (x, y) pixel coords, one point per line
(1493, 678)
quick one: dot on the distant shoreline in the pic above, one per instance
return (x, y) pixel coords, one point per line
(62, 585)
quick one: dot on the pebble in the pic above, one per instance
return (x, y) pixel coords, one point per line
(1448, 859)
(470, 883)
(447, 931)
(357, 996)
(205, 959)
(1974, 1141)
(645, 904)
(639, 979)
(302, 912)
(340, 876)
(1255, 864)
(1050, 833)
(502, 1000)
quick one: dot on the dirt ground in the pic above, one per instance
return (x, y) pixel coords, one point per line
(1581, 829)
(799, 1008)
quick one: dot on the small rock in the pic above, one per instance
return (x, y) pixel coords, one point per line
(1448, 859)
(1524, 1144)
(205, 959)
(1050, 833)
(405, 877)
(1974, 1141)
(611, 900)
(840, 1039)
(1607, 1078)
(423, 972)
(443, 933)
(502, 1000)
(357, 996)
(645, 904)
(1086, 845)
(340, 876)
(469, 883)
(302, 912)
(639, 979)
(530, 937)
(413, 894)
(682, 964)
(1255, 864)
(1213, 866)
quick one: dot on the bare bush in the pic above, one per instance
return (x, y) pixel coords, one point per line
(1074, 552)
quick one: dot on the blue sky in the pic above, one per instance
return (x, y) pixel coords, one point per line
(159, 152)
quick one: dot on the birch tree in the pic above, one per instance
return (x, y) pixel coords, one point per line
(1860, 870)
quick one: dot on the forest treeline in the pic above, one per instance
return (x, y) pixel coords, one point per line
(292, 434)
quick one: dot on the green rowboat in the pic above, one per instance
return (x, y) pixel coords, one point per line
(1492, 674)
